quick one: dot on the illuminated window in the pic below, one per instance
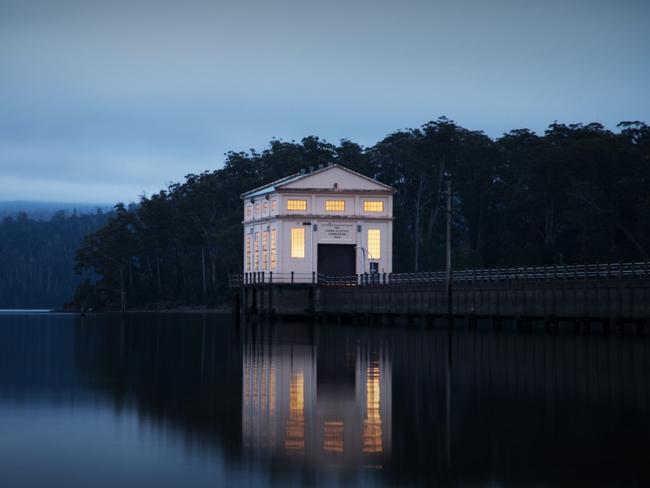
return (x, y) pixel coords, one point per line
(295, 431)
(296, 204)
(274, 248)
(257, 209)
(298, 242)
(373, 206)
(256, 252)
(274, 205)
(249, 212)
(335, 205)
(374, 244)
(265, 208)
(248, 253)
(265, 250)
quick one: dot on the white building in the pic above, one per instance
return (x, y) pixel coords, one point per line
(331, 222)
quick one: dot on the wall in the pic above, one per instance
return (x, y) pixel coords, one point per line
(323, 227)
(624, 299)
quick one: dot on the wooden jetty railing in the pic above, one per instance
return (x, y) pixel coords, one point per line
(611, 271)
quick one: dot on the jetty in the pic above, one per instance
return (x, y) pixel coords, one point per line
(610, 293)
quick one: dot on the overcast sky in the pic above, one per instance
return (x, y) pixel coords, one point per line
(105, 101)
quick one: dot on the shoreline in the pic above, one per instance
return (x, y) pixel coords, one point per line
(182, 309)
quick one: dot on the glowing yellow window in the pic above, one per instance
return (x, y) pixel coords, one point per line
(374, 244)
(248, 253)
(265, 250)
(296, 204)
(274, 248)
(298, 242)
(335, 205)
(256, 252)
(373, 206)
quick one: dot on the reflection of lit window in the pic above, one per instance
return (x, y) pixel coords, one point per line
(274, 248)
(249, 211)
(272, 388)
(335, 205)
(333, 436)
(298, 242)
(274, 205)
(248, 253)
(296, 204)
(265, 207)
(257, 210)
(256, 251)
(295, 438)
(373, 206)
(372, 424)
(259, 402)
(374, 244)
(265, 249)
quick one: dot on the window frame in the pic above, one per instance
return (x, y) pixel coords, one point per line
(256, 252)
(265, 250)
(369, 204)
(297, 242)
(335, 204)
(248, 251)
(274, 248)
(372, 241)
(293, 202)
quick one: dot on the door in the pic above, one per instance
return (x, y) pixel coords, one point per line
(337, 259)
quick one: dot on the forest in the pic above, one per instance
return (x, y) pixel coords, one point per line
(577, 193)
(37, 257)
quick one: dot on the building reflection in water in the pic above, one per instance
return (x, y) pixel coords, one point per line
(321, 408)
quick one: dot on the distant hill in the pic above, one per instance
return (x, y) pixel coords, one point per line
(45, 210)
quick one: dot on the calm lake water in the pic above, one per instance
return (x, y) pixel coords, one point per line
(192, 400)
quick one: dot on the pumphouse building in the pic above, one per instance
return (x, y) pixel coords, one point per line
(329, 222)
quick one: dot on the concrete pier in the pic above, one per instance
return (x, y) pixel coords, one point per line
(608, 298)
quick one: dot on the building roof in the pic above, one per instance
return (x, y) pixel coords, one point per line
(269, 187)
(278, 184)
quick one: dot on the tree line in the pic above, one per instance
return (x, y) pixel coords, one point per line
(577, 193)
(37, 257)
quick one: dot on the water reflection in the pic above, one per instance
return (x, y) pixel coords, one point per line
(323, 408)
(175, 400)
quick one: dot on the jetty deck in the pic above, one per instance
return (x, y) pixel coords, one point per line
(619, 291)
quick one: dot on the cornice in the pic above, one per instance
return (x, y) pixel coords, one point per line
(319, 217)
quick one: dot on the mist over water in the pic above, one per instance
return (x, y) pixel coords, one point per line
(194, 400)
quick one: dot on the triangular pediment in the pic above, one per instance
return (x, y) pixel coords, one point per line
(334, 176)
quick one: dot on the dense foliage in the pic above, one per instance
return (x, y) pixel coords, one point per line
(37, 258)
(578, 193)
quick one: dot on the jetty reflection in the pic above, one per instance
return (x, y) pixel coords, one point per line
(307, 403)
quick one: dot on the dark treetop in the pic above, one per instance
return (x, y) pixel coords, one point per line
(578, 193)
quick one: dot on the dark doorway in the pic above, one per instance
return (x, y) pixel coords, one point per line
(336, 259)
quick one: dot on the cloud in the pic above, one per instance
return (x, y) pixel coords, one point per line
(135, 94)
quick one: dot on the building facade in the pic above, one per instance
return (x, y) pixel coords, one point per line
(328, 222)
